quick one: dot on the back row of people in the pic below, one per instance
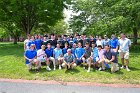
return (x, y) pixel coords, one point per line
(94, 52)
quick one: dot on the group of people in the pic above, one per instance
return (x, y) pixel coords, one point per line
(70, 51)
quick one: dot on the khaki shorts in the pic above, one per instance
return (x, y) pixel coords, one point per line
(124, 55)
(114, 67)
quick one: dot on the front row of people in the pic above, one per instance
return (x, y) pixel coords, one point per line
(88, 56)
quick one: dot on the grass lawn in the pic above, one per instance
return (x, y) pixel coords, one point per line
(12, 66)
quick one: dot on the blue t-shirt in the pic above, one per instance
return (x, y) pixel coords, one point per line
(79, 52)
(49, 52)
(30, 54)
(64, 50)
(113, 43)
(31, 42)
(73, 51)
(38, 43)
(57, 52)
(95, 52)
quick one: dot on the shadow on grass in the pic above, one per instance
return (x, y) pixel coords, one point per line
(11, 49)
(117, 72)
(72, 71)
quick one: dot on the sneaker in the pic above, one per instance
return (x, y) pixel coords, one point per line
(30, 70)
(36, 70)
(84, 68)
(100, 69)
(122, 67)
(48, 68)
(54, 68)
(128, 69)
(88, 70)
(60, 67)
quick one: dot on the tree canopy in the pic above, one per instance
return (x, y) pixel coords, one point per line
(107, 17)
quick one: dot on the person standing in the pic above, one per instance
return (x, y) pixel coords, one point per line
(124, 44)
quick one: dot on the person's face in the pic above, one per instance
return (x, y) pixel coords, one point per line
(122, 36)
(66, 46)
(32, 47)
(32, 38)
(43, 48)
(36, 36)
(79, 44)
(106, 47)
(58, 46)
(29, 37)
(87, 46)
(99, 48)
(49, 46)
(69, 52)
(52, 37)
(113, 36)
(45, 38)
(74, 45)
(93, 45)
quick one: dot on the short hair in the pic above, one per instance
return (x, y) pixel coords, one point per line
(99, 46)
(107, 45)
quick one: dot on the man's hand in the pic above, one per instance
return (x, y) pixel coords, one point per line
(30, 60)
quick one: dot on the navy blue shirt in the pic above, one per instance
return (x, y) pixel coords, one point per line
(30, 54)
(49, 52)
(109, 55)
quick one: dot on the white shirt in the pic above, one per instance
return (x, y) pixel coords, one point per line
(124, 45)
(99, 42)
(41, 54)
(26, 43)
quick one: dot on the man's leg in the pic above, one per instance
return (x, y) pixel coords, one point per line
(126, 56)
(122, 59)
(48, 64)
(73, 65)
(89, 64)
(36, 62)
(84, 62)
(64, 64)
(53, 60)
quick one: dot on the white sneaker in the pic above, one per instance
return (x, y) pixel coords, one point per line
(60, 67)
(100, 69)
(128, 69)
(48, 68)
(88, 70)
(122, 67)
(54, 68)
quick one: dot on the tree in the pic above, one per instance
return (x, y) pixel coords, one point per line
(109, 16)
(27, 14)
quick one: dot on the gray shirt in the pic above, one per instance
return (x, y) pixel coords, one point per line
(88, 52)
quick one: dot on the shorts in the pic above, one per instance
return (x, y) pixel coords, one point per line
(42, 59)
(124, 55)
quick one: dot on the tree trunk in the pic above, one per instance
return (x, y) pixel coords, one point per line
(15, 40)
(135, 33)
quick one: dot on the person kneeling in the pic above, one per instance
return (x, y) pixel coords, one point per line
(30, 55)
(42, 57)
(69, 60)
(110, 57)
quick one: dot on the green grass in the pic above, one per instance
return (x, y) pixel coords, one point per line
(12, 66)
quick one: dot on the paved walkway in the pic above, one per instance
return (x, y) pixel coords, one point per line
(26, 86)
